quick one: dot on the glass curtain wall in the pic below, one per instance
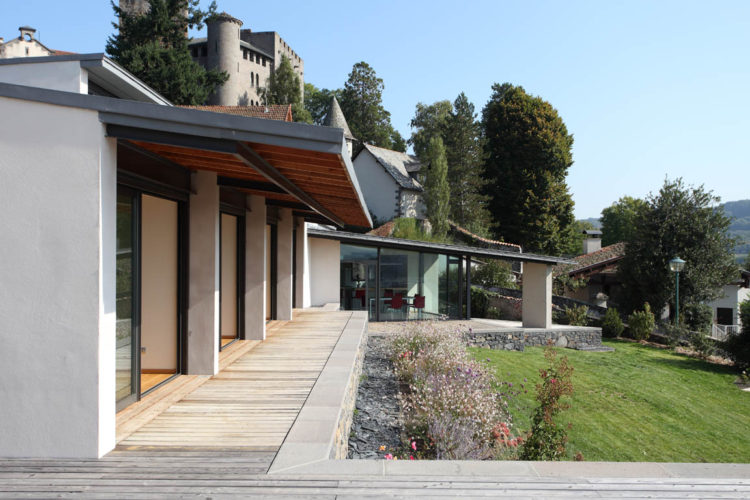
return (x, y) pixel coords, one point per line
(399, 285)
(126, 348)
(359, 278)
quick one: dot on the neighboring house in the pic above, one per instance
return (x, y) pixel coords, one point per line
(279, 112)
(139, 239)
(388, 180)
(26, 45)
(335, 118)
(599, 268)
(726, 310)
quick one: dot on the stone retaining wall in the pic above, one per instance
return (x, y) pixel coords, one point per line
(516, 340)
(340, 448)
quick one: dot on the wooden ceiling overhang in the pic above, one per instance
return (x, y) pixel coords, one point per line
(316, 185)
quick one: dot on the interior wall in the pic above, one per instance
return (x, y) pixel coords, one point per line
(159, 267)
(228, 276)
(431, 282)
(325, 271)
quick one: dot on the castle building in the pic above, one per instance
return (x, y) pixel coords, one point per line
(248, 57)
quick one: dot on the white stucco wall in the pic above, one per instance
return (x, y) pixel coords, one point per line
(378, 187)
(67, 76)
(57, 282)
(733, 295)
(284, 265)
(324, 263)
(537, 295)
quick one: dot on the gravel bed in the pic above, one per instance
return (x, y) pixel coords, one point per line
(376, 418)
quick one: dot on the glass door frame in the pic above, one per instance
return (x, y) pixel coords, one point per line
(138, 186)
(240, 215)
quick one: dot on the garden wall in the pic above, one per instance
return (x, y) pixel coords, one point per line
(582, 337)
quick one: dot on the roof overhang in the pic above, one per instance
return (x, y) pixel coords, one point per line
(300, 166)
(423, 246)
(103, 72)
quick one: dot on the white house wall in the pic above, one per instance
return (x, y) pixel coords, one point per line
(57, 276)
(378, 187)
(411, 204)
(67, 76)
(732, 296)
(325, 269)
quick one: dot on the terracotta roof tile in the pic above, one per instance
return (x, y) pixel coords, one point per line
(611, 253)
(481, 240)
(384, 231)
(279, 112)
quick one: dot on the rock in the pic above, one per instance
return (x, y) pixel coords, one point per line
(562, 341)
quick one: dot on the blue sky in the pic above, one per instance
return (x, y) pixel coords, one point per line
(649, 89)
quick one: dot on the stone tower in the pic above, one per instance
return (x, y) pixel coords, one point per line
(223, 40)
(335, 118)
(137, 7)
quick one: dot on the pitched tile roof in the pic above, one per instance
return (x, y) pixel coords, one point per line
(398, 164)
(385, 230)
(280, 112)
(486, 242)
(606, 257)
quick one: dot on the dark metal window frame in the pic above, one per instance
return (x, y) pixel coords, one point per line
(240, 214)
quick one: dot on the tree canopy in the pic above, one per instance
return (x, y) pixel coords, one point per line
(154, 47)
(362, 104)
(284, 87)
(437, 192)
(528, 152)
(317, 101)
(618, 219)
(680, 221)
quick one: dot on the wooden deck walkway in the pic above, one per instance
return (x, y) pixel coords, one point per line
(250, 405)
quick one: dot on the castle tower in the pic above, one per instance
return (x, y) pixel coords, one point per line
(136, 7)
(223, 40)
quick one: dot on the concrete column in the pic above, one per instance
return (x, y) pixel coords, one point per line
(284, 252)
(203, 297)
(299, 288)
(537, 295)
(255, 269)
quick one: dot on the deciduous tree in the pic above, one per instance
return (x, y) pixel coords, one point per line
(528, 152)
(283, 87)
(680, 221)
(317, 101)
(154, 47)
(618, 219)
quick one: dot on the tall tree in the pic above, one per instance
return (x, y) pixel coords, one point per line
(317, 102)
(618, 219)
(284, 87)
(430, 120)
(680, 221)
(437, 192)
(154, 47)
(574, 244)
(464, 148)
(528, 152)
(362, 104)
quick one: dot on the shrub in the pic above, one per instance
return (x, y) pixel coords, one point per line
(641, 323)
(612, 325)
(480, 301)
(494, 273)
(546, 439)
(494, 313)
(451, 409)
(698, 317)
(676, 334)
(702, 344)
(738, 346)
(577, 315)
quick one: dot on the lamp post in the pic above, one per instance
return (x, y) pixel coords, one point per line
(676, 265)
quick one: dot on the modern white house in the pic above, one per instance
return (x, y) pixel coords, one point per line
(726, 309)
(140, 239)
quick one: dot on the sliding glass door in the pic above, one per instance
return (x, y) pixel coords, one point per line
(232, 272)
(127, 380)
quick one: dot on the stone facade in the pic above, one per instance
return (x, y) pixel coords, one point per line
(24, 45)
(340, 448)
(516, 340)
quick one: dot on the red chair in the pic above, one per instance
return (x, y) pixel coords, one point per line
(418, 304)
(388, 294)
(397, 302)
(360, 294)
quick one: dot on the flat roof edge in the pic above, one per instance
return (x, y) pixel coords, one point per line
(436, 247)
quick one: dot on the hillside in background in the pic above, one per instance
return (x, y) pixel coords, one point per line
(740, 228)
(739, 211)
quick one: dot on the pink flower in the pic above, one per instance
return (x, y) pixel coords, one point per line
(389, 457)
(411, 457)
(551, 381)
(414, 445)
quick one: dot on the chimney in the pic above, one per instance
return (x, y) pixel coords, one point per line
(27, 33)
(592, 240)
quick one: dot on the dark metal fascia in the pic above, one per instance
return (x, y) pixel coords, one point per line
(245, 184)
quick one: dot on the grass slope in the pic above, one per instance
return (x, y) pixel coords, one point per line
(639, 404)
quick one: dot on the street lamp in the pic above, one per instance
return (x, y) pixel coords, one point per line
(676, 265)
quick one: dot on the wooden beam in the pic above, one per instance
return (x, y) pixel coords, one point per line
(245, 184)
(253, 159)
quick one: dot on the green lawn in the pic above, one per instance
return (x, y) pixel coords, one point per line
(639, 404)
